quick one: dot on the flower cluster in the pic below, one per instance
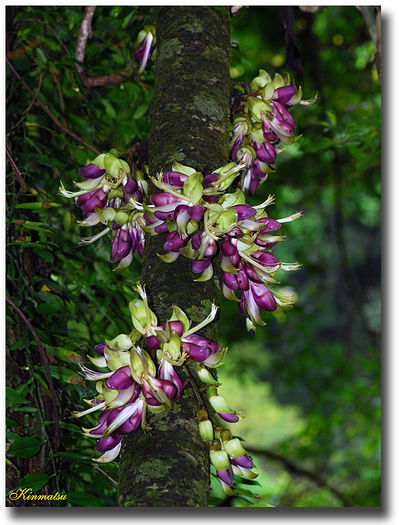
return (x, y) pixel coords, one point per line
(202, 216)
(141, 373)
(226, 453)
(264, 126)
(109, 195)
(202, 219)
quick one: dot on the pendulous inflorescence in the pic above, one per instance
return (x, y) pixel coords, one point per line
(206, 218)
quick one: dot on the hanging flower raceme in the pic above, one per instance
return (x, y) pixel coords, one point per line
(200, 219)
(249, 267)
(110, 196)
(265, 126)
(227, 454)
(146, 43)
(189, 204)
(141, 374)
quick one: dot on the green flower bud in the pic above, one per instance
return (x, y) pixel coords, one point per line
(99, 161)
(112, 164)
(233, 199)
(234, 448)
(257, 107)
(179, 315)
(261, 80)
(206, 430)
(278, 81)
(267, 91)
(173, 346)
(205, 376)
(105, 214)
(226, 219)
(121, 217)
(116, 359)
(142, 316)
(257, 135)
(120, 342)
(220, 459)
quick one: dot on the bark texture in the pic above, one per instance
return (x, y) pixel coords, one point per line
(169, 466)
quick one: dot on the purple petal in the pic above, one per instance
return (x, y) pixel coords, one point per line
(90, 200)
(161, 199)
(131, 424)
(251, 273)
(120, 379)
(244, 461)
(211, 198)
(263, 297)
(244, 211)
(161, 228)
(228, 248)
(279, 111)
(91, 171)
(230, 418)
(270, 225)
(198, 340)
(196, 212)
(130, 185)
(226, 476)
(108, 443)
(235, 233)
(174, 178)
(265, 152)
(266, 258)
(208, 179)
(165, 215)
(173, 242)
(284, 94)
(200, 266)
(196, 241)
(100, 348)
(197, 353)
(168, 373)
(121, 245)
(152, 342)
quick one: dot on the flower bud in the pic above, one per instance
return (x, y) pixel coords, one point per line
(206, 430)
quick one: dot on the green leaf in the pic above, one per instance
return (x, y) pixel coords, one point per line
(39, 206)
(51, 303)
(78, 331)
(110, 111)
(35, 481)
(14, 397)
(140, 111)
(25, 447)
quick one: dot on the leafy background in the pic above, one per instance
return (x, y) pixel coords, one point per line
(309, 382)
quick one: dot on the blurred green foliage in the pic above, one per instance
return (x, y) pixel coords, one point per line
(309, 382)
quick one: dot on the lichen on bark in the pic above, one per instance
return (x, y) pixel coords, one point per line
(169, 465)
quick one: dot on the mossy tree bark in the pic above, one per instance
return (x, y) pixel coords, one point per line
(169, 466)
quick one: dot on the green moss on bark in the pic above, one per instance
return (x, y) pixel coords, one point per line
(169, 465)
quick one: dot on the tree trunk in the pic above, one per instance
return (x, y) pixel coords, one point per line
(169, 466)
